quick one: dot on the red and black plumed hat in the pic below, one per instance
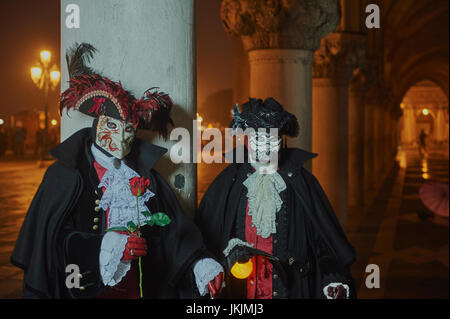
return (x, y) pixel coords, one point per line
(95, 95)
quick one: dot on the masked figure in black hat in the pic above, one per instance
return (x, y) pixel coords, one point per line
(88, 190)
(268, 219)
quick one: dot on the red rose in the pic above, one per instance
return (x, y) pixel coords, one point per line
(139, 185)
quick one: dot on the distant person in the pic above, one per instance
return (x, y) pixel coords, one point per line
(423, 143)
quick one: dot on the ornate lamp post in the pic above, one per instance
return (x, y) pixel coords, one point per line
(45, 78)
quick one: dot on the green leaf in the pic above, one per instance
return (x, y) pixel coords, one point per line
(150, 222)
(161, 219)
(131, 226)
(146, 213)
(117, 229)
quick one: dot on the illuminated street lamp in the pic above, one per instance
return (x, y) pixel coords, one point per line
(46, 78)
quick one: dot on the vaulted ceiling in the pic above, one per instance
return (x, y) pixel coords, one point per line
(416, 44)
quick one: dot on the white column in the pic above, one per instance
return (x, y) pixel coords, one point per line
(440, 125)
(286, 76)
(143, 44)
(330, 141)
(356, 158)
(280, 38)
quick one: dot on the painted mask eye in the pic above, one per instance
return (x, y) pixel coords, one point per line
(129, 129)
(111, 125)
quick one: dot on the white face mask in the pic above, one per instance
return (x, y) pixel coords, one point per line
(114, 136)
(263, 146)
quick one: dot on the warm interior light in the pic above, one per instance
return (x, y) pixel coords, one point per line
(242, 270)
(54, 122)
(425, 112)
(199, 118)
(36, 73)
(2, 122)
(45, 56)
(55, 76)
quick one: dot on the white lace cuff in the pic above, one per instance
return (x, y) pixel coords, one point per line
(206, 270)
(233, 242)
(112, 269)
(334, 285)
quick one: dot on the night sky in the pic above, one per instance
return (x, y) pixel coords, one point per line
(26, 28)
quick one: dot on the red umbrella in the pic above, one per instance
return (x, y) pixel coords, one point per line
(435, 197)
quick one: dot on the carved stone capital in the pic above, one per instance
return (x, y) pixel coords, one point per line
(364, 76)
(339, 55)
(280, 24)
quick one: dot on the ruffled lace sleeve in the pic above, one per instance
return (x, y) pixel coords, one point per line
(112, 269)
(206, 270)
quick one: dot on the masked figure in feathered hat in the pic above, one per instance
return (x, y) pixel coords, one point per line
(104, 223)
(268, 219)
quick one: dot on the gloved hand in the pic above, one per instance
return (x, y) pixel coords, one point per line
(338, 292)
(215, 286)
(136, 247)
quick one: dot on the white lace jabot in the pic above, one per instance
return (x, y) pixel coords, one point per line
(264, 200)
(117, 196)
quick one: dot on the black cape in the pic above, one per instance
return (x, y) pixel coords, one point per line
(312, 246)
(57, 229)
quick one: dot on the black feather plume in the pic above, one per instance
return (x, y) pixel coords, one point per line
(77, 57)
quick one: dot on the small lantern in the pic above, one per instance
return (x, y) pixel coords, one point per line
(242, 270)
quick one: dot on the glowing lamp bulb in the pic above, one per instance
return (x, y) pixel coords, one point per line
(55, 76)
(425, 112)
(54, 122)
(45, 56)
(242, 270)
(36, 74)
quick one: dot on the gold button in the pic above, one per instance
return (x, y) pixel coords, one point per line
(80, 276)
(290, 174)
(251, 282)
(95, 227)
(275, 293)
(97, 209)
(81, 288)
(96, 193)
(97, 202)
(96, 219)
(275, 276)
(275, 241)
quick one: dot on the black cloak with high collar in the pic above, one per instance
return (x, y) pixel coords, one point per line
(310, 243)
(64, 226)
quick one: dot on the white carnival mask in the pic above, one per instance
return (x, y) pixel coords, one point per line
(115, 136)
(263, 146)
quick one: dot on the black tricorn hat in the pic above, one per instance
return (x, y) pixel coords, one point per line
(257, 114)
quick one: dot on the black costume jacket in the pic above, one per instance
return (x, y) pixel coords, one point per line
(64, 225)
(310, 243)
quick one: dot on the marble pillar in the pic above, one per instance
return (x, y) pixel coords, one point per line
(280, 38)
(339, 55)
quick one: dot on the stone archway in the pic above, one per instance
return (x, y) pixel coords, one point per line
(425, 107)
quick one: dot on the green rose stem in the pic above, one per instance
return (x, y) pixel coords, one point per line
(139, 235)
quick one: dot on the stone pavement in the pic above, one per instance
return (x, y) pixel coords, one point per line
(412, 253)
(18, 183)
